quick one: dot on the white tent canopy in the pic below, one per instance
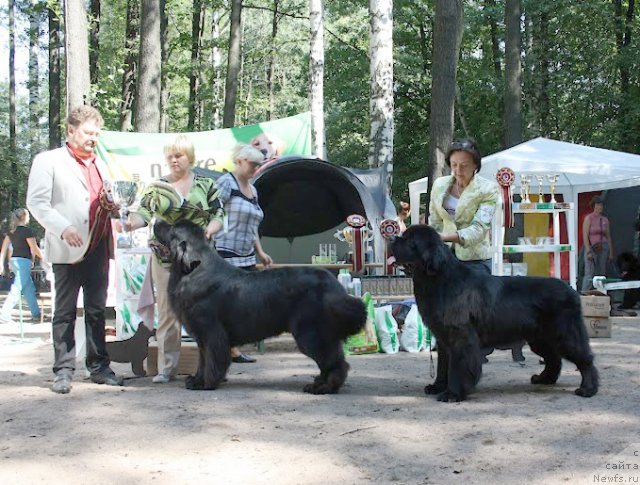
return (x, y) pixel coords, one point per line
(581, 168)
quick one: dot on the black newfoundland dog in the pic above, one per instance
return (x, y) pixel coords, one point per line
(467, 310)
(222, 306)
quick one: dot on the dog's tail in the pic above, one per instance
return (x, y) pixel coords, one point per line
(348, 314)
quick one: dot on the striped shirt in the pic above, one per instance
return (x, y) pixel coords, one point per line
(244, 215)
(201, 205)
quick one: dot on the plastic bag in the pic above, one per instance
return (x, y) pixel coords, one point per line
(415, 335)
(365, 341)
(386, 330)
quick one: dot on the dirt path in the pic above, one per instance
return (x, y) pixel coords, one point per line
(259, 428)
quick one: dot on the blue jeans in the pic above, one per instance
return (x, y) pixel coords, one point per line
(22, 284)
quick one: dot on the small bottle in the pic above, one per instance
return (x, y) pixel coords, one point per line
(344, 278)
(357, 288)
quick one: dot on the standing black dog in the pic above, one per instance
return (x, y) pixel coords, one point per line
(467, 310)
(223, 306)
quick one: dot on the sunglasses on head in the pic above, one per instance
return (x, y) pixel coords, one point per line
(462, 145)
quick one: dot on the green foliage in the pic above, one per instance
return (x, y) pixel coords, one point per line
(586, 101)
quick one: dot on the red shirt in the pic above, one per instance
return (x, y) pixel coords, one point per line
(94, 183)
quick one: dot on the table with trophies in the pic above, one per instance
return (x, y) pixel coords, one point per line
(543, 244)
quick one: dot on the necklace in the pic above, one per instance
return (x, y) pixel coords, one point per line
(458, 190)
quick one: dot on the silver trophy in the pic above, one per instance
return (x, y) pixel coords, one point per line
(540, 179)
(553, 181)
(124, 194)
(525, 186)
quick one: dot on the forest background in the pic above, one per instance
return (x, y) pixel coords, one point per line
(575, 75)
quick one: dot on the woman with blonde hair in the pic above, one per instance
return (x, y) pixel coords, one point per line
(180, 195)
(240, 243)
(23, 251)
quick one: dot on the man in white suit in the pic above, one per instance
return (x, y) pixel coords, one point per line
(66, 196)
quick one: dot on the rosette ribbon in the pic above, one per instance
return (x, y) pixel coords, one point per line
(505, 178)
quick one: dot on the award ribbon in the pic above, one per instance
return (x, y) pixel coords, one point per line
(505, 178)
(389, 228)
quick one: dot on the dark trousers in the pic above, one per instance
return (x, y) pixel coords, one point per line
(92, 275)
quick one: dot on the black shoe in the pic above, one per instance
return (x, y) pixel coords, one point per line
(108, 378)
(62, 384)
(243, 359)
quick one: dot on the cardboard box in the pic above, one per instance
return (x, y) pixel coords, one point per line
(595, 306)
(188, 363)
(598, 327)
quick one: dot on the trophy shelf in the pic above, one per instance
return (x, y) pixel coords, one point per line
(554, 209)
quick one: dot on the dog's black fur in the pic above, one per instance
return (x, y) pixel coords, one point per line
(223, 306)
(630, 271)
(468, 309)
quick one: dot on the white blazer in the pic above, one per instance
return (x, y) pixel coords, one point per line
(58, 197)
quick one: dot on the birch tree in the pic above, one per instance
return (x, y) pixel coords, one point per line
(35, 11)
(53, 13)
(13, 189)
(131, 48)
(78, 85)
(216, 72)
(316, 78)
(381, 86)
(197, 28)
(513, 75)
(147, 111)
(446, 49)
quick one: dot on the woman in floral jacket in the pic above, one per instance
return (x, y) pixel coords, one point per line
(462, 205)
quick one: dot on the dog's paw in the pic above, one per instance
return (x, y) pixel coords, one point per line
(319, 388)
(448, 396)
(434, 388)
(193, 384)
(541, 379)
(584, 392)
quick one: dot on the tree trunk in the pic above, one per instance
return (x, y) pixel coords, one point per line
(272, 60)
(496, 56)
(513, 75)
(131, 48)
(381, 87)
(197, 27)
(216, 63)
(628, 121)
(541, 45)
(233, 64)
(446, 49)
(316, 78)
(55, 137)
(76, 54)
(34, 77)
(94, 35)
(147, 111)
(13, 188)
(164, 54)
(495, 41)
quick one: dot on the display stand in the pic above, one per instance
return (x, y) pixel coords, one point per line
(131, 266)
(553, 209)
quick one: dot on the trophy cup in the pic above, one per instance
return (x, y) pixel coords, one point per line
(124, 194)
(357, 234)
(525, 184)
(540, 179)
(553, 180)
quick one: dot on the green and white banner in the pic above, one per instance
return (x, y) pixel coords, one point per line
(140, 155)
